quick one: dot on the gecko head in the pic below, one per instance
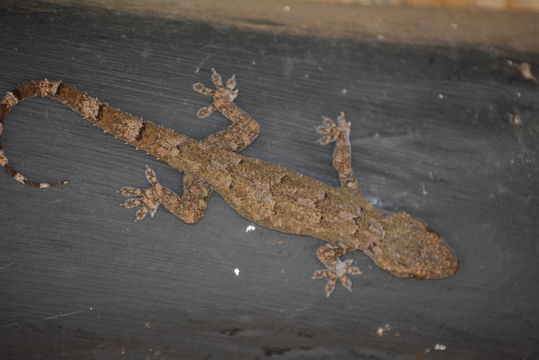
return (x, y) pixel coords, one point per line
(407, 247)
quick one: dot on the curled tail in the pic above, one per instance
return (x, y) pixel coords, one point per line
(43, 88)
(155, 140)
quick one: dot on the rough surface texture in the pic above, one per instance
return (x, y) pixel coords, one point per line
(448, 134)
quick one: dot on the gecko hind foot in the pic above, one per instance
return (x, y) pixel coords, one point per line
(147, 199)
(222, 93)
(331, 130)
(339, 270)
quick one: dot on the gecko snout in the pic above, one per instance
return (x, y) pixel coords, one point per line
(409, 248)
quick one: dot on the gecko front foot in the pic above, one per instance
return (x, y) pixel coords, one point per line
(147, 199)
(333, 131)
(224, 93)
(338, 270)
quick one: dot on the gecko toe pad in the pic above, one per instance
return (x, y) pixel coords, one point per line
(148, 200)
(224, 93)
(333, 130)
(339, 271)
(205, 111)
(202, 89)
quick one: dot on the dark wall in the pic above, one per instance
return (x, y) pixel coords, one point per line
(431, 136)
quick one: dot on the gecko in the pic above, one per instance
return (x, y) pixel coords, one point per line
(264, 193)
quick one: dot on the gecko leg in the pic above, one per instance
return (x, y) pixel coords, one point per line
(335, 268)
(240, 134)
(342, 156)
(243, 130)
(189, 208)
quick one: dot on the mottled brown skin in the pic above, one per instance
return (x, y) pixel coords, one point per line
(264, 193)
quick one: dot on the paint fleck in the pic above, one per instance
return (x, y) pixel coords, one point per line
(381, 330)
(525, 70)
(514, 119)
(439, 347)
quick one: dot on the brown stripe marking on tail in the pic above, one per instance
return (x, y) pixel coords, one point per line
(42, 88)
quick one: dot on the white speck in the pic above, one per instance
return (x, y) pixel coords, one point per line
(381, 330)
(250, 228)
(376, 135)
(286, 8)
(439, 347)
(380, 37)
(344, 91)
(454, 26)
(253, 62)
(237, 271)
(519, 94)
(440, 96)
(514, 119)
(424, 190)
(430, 175)
(525, 70)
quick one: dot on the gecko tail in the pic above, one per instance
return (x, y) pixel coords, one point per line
(143, 135)
(42, 88)
(23, 179)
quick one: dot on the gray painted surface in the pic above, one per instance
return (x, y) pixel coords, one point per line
(430, 133)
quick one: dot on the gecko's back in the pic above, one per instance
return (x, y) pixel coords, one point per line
(274, 196)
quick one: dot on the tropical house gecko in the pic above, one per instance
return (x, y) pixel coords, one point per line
(262, 192)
